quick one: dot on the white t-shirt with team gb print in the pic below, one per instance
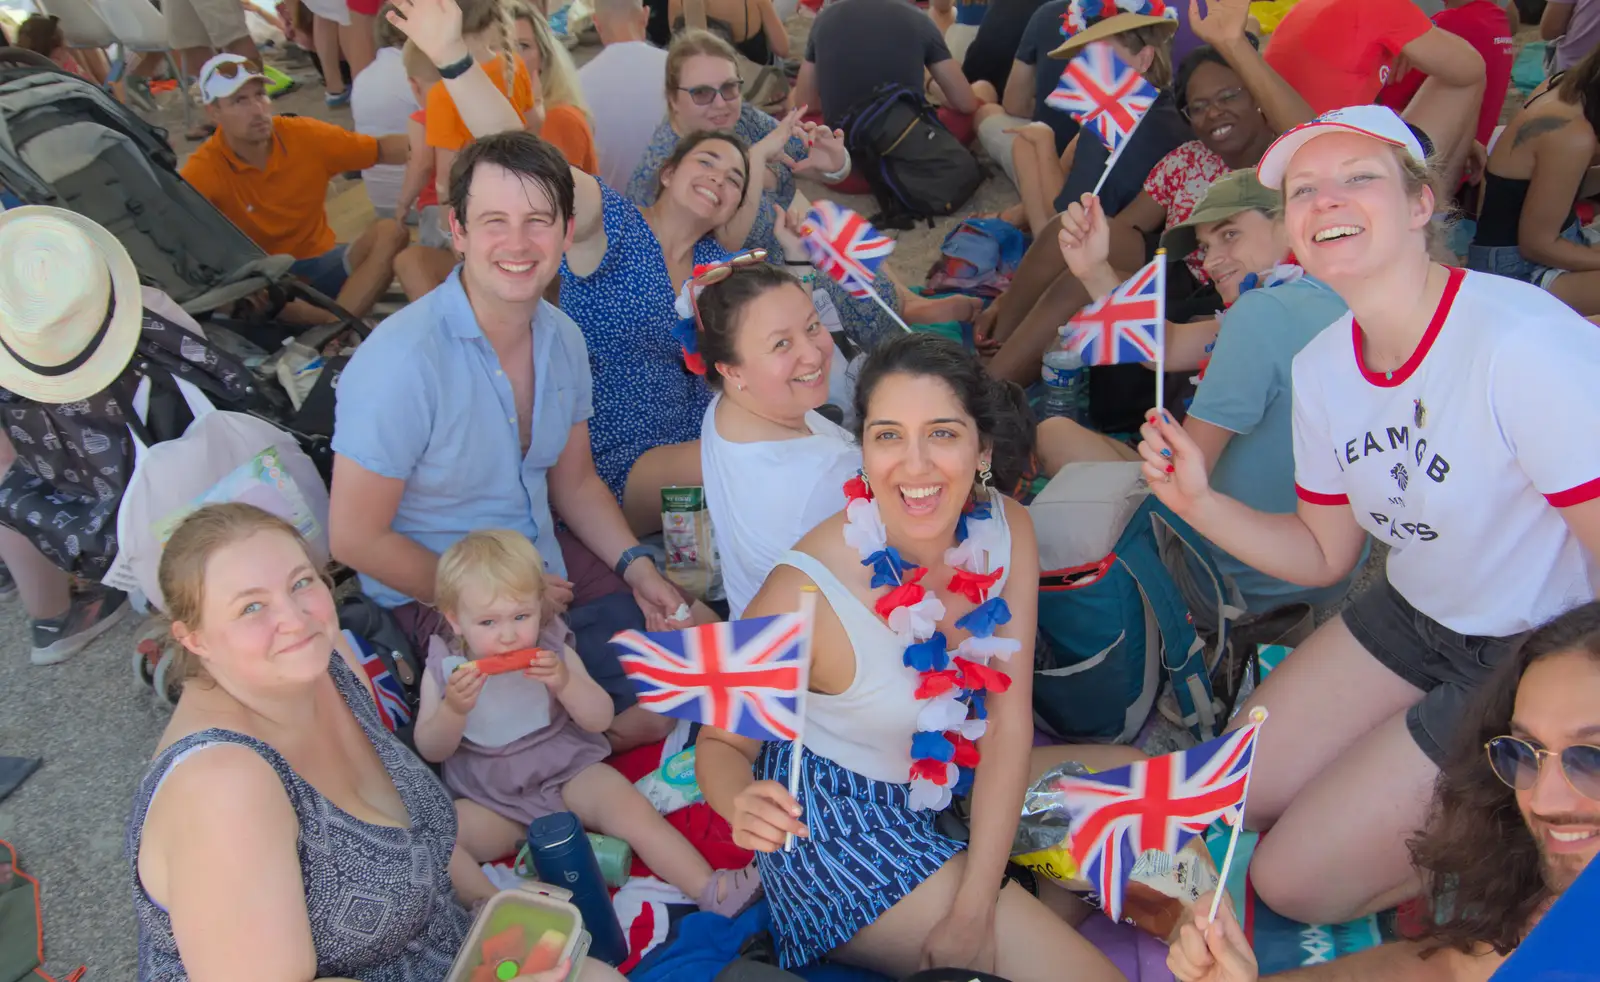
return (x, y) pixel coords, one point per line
(1459, 460)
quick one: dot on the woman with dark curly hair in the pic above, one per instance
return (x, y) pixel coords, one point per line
(1515, 820)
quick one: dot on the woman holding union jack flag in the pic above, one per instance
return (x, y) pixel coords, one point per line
(920, 689)
(1447, 413)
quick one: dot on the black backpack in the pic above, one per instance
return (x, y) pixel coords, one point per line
(917, 169)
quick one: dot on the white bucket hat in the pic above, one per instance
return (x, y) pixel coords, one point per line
(70, 305)
(1378, 122)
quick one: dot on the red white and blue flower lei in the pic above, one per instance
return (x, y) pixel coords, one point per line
(1080, 14)
(952, 685)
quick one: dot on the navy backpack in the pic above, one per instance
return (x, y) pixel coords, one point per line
(917, 169)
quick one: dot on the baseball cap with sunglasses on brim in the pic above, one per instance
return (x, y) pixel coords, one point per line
(226, 74)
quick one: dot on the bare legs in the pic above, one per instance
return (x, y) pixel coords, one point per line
(1338, 780)
(372, 263)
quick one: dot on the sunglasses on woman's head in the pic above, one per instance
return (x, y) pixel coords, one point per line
(721, 271)
(705, 95)
(1517, 762)
(231, 69)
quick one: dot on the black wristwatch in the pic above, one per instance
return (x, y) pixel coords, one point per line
(628, 556)
(456, 69)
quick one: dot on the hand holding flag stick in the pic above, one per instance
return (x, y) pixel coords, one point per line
(808, 615)
(747, 676)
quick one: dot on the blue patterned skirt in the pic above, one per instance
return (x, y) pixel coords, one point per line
(867, 849)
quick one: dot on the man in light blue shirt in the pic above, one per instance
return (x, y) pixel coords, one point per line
(469, 410)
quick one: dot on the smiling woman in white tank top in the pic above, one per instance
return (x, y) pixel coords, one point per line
(773, 467)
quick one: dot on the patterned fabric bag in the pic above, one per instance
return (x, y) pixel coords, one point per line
(74, 460)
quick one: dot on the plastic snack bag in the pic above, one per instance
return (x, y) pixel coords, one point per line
(1162, 886)
(686, 535)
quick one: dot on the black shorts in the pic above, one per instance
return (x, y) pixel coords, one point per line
(1447, 666)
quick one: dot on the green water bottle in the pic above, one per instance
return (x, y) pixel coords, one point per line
(615, 857)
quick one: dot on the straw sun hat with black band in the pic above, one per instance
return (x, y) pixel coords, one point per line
(70, 305)
(1087, 21)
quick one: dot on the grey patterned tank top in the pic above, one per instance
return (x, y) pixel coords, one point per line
(379, 898)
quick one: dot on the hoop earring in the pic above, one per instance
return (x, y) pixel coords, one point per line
(985, 476)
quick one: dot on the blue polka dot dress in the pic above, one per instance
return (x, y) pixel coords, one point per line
(644, 396)
(863, 321)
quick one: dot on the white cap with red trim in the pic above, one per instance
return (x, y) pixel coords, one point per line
(1378, 122)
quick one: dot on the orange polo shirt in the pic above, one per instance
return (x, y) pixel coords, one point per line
(567, 129)
(446, 131)
(282, 206)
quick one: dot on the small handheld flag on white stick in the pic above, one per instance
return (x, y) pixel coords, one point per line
(1107, 96)
(1161, 330)
(848, 249)
(1258, 716)
(808, 616)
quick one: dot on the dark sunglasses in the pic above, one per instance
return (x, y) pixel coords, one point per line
(231, 69)
(705, 95)
(1517, 762)
(1224, 100)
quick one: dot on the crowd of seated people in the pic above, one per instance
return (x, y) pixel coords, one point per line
(1335, 375)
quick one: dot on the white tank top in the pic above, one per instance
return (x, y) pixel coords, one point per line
(867, 728)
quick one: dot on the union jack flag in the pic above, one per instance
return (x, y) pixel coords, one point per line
(1126, 324)
(393, 708)
(1159, 803)
(1104, 94)
(845, 246)
(740, 676)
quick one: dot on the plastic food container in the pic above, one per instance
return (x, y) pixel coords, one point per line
(518, 933)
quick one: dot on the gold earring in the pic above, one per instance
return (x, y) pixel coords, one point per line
(985, 475)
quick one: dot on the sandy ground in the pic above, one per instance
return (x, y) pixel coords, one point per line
(95, 725)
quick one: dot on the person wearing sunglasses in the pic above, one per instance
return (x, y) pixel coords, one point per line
(1515, 819)
(269, 175)
(704, 92)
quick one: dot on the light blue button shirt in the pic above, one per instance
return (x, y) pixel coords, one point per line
(424, 400)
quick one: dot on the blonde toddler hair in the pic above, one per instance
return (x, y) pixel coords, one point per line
(503, 560)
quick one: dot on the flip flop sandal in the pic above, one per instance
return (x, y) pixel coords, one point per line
(743, 889)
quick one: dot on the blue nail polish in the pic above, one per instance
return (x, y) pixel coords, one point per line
(1166, 453)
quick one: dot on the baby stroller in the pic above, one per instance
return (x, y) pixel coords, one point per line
(66, 143)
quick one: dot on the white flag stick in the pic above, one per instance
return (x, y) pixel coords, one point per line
(1258, 716)
(808, 613)
(1161, 336)
(885, 305)
(818, 241)
(1116, 155)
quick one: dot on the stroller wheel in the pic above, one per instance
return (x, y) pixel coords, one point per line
(166, 688)
(145, 656)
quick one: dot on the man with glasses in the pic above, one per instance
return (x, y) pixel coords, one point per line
(269, 175)
(1515, 820)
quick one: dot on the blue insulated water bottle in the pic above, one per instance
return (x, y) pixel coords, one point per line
(563, 857)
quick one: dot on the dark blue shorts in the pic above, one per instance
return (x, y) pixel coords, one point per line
(326, 273)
